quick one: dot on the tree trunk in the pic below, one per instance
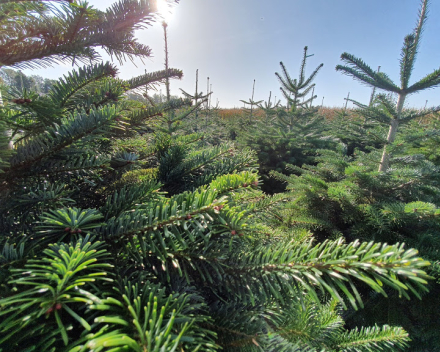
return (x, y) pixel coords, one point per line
(167, 80)
(385, 161)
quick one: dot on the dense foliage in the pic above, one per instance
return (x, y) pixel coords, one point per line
(134, 225)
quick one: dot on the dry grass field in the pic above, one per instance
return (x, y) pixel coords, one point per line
(328, 112)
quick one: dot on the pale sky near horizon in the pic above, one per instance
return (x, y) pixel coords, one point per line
(236, 41)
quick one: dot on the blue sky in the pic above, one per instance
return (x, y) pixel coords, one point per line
(236, 41)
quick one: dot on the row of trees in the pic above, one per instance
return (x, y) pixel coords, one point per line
(20, 81)
(368, 174)
(122, 231)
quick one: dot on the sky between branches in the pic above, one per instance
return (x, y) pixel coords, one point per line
(236, 41)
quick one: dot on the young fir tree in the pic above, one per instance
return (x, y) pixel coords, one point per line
(292, 136)
(249, 111)
(269, 108)
(346, 195)
(170, 122)
(199, 100)
(95, 257)
(393, 115)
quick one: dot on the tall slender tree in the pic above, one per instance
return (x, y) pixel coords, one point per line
(250, 111)
(359, 70)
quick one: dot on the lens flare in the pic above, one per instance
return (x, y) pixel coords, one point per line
(164, 9)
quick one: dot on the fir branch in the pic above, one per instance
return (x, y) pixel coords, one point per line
(329, 266)
(78, 164)
(411, 44)
(361, 71)
(179, 208)
(152, 77)
(144, 317)
(50, 290)
(73, 128)
(127, 197)
(66, 87)
(372, 339)
(407, 60)
(431, 80)
(78, 30)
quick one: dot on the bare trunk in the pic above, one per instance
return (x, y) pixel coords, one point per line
(252, 101)
(207, 104)
(385, 161)
(346, 102)
(167, 80)
(197, 82)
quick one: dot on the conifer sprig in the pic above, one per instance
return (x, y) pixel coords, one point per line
(79, 29)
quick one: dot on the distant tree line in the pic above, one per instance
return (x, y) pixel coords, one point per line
(149, 99)
(18, 80)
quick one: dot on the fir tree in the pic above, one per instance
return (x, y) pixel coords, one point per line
(345, 195)
(292, 136)
(359, 70)
(249, 111)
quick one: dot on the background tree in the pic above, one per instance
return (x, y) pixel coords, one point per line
(249, 111)
(291, 136)
(20, 81)
(361, 71)
(269, 108)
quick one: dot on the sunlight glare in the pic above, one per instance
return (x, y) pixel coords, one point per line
(164, 10)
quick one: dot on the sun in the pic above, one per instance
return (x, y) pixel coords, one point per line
(164, 10)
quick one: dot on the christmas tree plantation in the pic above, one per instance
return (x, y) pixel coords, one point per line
(121, 232)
